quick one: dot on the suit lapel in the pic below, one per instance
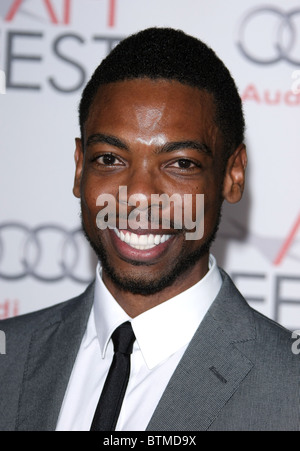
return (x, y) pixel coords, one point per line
(51, 357)
(212, 368)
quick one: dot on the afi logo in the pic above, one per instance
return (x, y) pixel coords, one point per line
(288, 242)
(63, 18)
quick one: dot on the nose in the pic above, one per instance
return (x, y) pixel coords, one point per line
(141, 183)
(135, 199)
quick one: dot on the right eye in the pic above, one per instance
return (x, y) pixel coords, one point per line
(108, 159)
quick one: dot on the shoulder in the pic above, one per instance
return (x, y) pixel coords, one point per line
(26, 324)
(270, 392)
(267, 326)
(276, 344)
(246, 323)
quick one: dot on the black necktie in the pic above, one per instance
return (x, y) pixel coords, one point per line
(111, 399)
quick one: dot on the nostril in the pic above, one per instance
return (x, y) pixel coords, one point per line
(138, 200)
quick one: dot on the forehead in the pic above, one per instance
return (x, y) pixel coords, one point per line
(152, 105)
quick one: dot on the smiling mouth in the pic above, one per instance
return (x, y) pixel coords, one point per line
(141, 242)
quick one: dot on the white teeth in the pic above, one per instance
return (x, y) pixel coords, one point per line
(141, 242)
(157, 239)
(151, 240)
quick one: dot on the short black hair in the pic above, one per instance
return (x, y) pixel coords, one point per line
(165, 53)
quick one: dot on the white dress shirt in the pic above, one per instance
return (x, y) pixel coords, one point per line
(162, 336)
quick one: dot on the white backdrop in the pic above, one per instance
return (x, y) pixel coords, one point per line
(49, 49)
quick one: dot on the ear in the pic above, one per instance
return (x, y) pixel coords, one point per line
(79, 158)
(234, 181)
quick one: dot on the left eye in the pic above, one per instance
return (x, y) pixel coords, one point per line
(184, 164)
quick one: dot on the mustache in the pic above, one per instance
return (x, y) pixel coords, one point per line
(164, 213)
(148, 220)
(143, 220)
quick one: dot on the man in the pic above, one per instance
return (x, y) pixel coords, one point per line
(161, 115)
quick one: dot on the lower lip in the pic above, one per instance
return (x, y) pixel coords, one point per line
(128, 252)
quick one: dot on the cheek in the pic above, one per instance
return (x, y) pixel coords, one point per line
(211, 201)
(89, 199)
(90, 190)
(96, 196)
(212, 208)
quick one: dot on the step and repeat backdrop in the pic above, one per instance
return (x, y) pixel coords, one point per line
(49, 49)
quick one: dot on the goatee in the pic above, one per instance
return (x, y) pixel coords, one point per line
(141, 286)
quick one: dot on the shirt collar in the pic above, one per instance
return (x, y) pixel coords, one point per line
(108, 313)
(165, 329)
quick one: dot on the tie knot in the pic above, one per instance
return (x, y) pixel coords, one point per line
(123, 338)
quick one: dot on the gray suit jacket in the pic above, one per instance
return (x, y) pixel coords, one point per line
(238, 374)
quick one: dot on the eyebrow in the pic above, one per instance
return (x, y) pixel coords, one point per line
(100, 138)
(180, 145)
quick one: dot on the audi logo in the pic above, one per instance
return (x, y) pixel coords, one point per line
(48, 253)
(269, 35)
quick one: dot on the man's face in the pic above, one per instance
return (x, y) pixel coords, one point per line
(152, 137)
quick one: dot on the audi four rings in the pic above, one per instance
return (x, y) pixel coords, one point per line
(285, 40)
(30, 250)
